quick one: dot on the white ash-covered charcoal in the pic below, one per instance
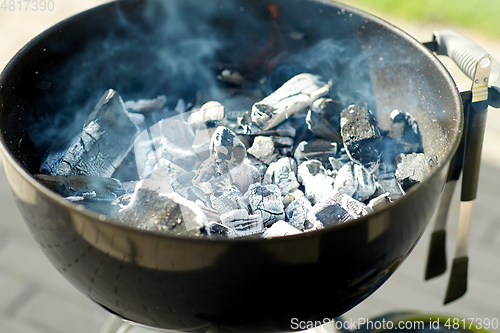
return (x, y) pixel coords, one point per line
(291, 197)
(208, 179)
(361, 136)
(413, 168)
(338, 162)
(170, 138)
(211, 214)
(106, 139)
(226, 149)
(167, 212)
(315, 149)
(247, 127)
(280, 229)
(179, 179)
(405, 129)
(209, 111)
(328, 212)
(283, 174)
(294, 96)
(380, 201)
(242, 223)
(227, 200)
(337, 209)
(201, 142)
(261, 166)
(388, 183)
(317, 183)
(265, 200)
(296, 212)
(98, 188)
(146, 105)
(215, 229)
(169, 172)
(245, 175)
(263, 149)
(354, 180)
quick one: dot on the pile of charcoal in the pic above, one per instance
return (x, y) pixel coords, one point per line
(293, 162)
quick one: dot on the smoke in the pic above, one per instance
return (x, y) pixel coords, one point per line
(178, 49)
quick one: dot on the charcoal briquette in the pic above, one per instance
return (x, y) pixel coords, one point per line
(216, 229)
(227, 200)
(283, 174)
(361, 136)
(106, 139)
(404, 128)
(413, 168)
(294, 96)
(263, 149)
(296, 212)
(265, 200)
(242, 223)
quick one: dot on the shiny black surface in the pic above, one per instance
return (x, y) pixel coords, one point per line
(240, 285)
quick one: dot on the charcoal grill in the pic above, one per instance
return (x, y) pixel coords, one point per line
(235, 285)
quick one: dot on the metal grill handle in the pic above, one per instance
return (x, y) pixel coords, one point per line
(464, 52)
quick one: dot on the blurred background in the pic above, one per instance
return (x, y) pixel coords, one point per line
(34, 298)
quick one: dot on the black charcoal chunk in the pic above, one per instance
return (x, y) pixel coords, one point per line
(405, 129)
(336, 210)
(329, 109)
(263, 149)
(295, 96)
(226, 149)
(296, 212)
(315, 149)
(361, 136)
(146, 105)
(106, 139)
(167, 212)
(265, 200)
(242, 223)
(317, 183)
(280, 229)
(283, 174)
(215, 229)
(413, 168)
(225, 201)
(322, 127)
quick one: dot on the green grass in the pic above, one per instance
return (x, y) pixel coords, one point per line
(480, 15)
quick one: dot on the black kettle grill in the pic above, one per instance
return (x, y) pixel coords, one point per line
(143, 48)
